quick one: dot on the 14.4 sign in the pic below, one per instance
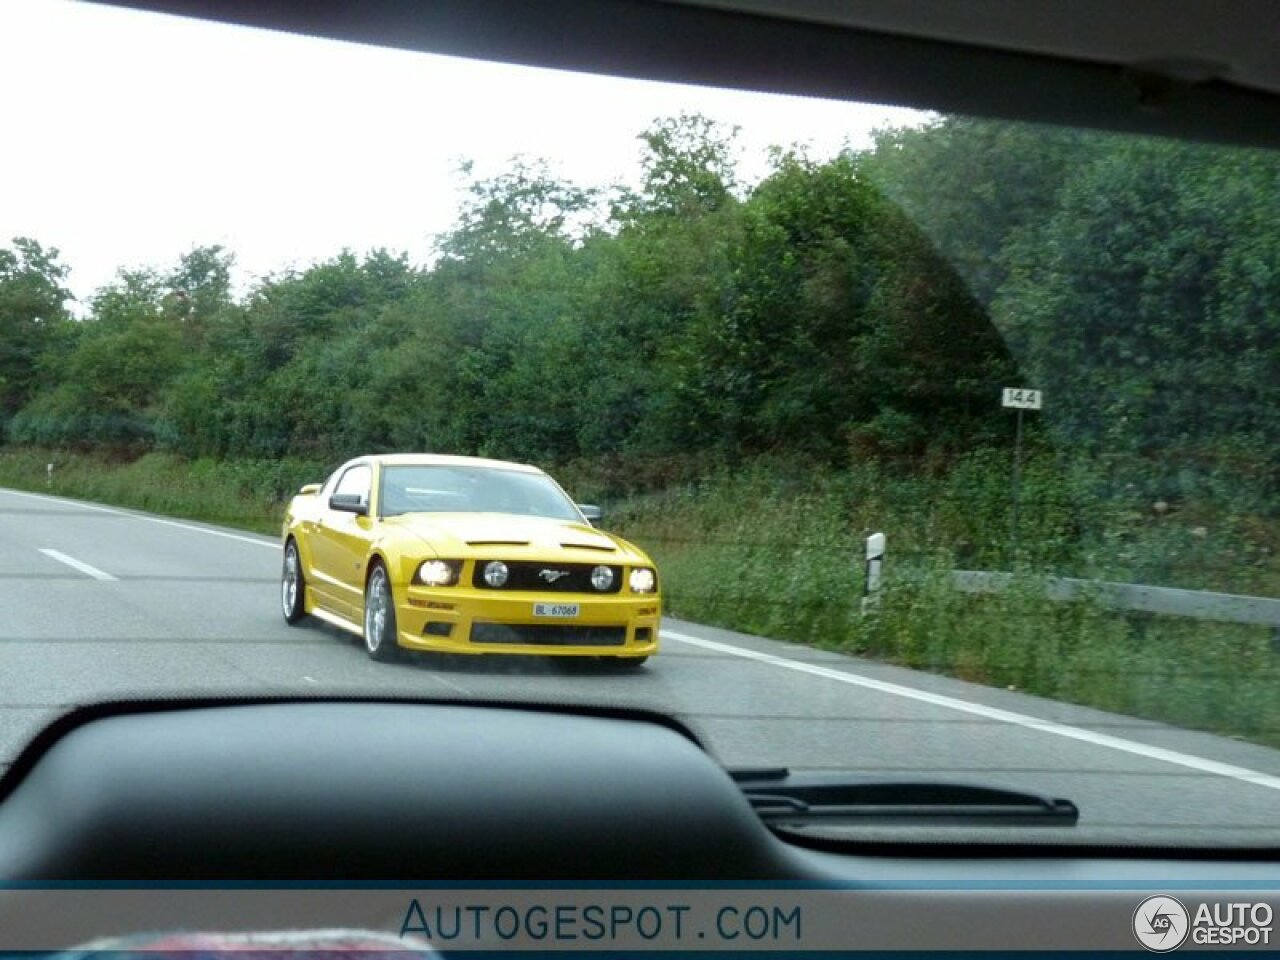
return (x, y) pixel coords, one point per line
(1021, 399)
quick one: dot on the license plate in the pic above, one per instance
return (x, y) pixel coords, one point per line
(555, 610)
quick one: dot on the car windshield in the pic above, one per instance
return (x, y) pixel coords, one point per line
(926, 446)
(440, 489)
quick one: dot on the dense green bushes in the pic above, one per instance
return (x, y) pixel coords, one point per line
(808, 314)
(867, 306)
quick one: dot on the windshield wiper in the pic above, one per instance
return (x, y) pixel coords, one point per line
(783, 798)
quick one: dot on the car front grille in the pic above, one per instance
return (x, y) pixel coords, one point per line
(548, 577)
(549, 635)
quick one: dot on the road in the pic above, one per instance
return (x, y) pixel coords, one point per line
(100, 603)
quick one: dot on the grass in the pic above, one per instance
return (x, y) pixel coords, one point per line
(247, 494)
(779, 554)
(776, 550)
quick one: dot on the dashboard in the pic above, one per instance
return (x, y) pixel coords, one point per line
(125, 818)
(348, 790)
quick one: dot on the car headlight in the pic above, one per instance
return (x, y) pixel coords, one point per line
(496, 573)
(643, 580)
(438, 573)
(602, 578)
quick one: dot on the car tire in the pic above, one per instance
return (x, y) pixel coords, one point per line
(380, 617)
(293, 585)
(631, 661)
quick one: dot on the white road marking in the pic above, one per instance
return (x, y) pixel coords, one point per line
(449, 683)
(1243, 774)
(77, 564)
(141, 516)
(309, 679)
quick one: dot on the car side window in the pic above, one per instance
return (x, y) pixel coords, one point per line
(357, 480)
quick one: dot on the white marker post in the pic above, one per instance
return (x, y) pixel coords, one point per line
(48, 475)
(875, 563)
(1018, 399)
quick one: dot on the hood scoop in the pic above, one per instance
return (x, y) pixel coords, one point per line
(602, 547)
(497, 543)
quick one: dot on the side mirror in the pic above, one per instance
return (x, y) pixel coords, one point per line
(591, 512)
(308, 489)
(349, 503)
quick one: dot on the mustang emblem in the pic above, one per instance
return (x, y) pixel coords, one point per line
(551, 576)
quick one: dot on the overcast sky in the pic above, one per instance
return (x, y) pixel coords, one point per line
(130, 137)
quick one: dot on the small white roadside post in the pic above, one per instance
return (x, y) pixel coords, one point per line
(48, 475)
(875, 567)
(1020, 400)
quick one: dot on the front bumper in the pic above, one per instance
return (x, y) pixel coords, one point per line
(471, 621)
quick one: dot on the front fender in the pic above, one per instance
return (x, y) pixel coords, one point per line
(401, 553)
(292, 527)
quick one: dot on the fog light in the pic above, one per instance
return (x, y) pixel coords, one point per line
(602, 578)
(496, 573)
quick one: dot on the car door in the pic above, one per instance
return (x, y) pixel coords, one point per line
(341, 543)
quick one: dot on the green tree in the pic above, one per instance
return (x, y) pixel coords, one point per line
(514, 213)
(688, 169)
(33, 319)
(123, 356)
(971, 185)
(839, 318)
(1147, 303)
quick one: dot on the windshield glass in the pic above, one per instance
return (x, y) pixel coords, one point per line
(927, 446)
(423, 489)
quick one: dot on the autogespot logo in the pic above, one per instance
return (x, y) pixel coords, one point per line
(1160, 923)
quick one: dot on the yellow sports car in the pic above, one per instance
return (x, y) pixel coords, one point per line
(464, 555)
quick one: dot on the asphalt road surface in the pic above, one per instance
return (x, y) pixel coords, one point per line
(99, 603)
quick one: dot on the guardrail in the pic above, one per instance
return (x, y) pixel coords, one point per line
(1134, 597)
(1167, 601)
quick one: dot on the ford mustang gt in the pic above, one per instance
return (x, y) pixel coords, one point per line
(464, 555)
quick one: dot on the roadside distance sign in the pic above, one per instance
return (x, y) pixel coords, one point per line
(1021, 399)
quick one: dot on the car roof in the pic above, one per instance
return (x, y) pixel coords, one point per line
(1199, 69)
(449, 460)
